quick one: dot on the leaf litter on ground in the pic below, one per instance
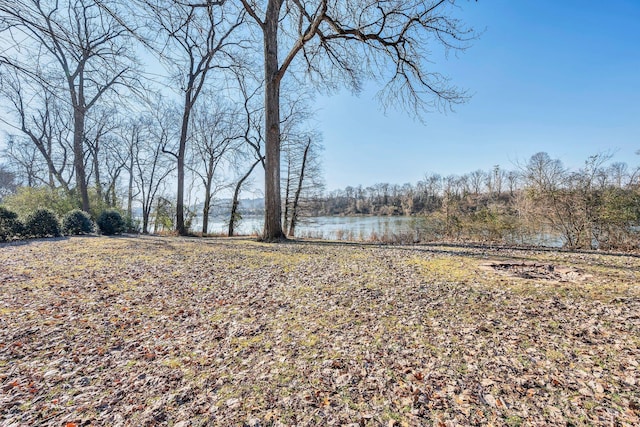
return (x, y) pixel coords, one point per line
(193, 332)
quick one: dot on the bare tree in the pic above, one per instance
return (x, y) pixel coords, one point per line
(512, 179)
(476, 178)
(85, 51)
(214, 135)
(252, 134)
(116, 161)
(99, 140)
(299, 144)
(348, 41)
(129, 136)
(192, 39)
(25, 161)
(306, 175)
(298, 188)
(544, 173)
(549, 188)
(44, 122)
(498, 177)
(431, 191)
(150, 165)
(619, 173)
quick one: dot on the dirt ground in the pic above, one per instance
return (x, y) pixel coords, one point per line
(136, 331)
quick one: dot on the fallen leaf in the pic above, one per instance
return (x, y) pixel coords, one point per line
(491, 401)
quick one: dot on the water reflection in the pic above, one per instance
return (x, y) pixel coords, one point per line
(400, 229)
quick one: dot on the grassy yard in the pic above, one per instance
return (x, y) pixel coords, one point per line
(190, 332)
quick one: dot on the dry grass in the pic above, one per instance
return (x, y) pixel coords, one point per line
(169, 331)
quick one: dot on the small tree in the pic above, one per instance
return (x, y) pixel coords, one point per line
(165, 215)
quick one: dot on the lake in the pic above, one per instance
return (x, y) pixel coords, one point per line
(400, 229)
(325, 227)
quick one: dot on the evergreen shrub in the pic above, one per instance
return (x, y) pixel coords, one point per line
(42, 223)
(111, 222)
(77, 222)
(10, 225)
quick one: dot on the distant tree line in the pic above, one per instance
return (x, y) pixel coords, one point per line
(597, 206)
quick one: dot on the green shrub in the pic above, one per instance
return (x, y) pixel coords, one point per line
(42, 223)
(10, 225)
(28, 199)
(77, 222)
(111, 222)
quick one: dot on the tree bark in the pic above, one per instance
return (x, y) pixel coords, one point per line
(78, 156)
(180, 226)
(205, 215)
(287, 190)
(96, 167)
(273, 209)
(130, 186)
(207, 199)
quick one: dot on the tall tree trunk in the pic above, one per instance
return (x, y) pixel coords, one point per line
(207, 196)
(52, 182)
(180, 226)
(96, 166)
(205, 215)
(157, 221)
(296, 199)
(272, 202)
(236, 194)
(146, 214)
(285, 219)
(112, 195)
(78, 156)
(206, 208)
(130, 189)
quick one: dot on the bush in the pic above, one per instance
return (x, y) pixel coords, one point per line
(10, 226)
(42, 223)
(77, 222)
(132, 225)
(110, 222)
(27, 200)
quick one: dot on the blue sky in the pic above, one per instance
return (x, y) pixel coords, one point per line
(555, 76)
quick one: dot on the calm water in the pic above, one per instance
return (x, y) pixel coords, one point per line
(326, 227)
(360, 228)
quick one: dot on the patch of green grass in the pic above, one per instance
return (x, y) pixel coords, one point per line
(514, 421)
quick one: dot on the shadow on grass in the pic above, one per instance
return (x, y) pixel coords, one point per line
(25, 242)
(445, 247)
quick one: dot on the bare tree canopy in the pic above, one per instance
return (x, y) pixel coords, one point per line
(345, 42)
(192, 39)
(77, 49)
(67, 58)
